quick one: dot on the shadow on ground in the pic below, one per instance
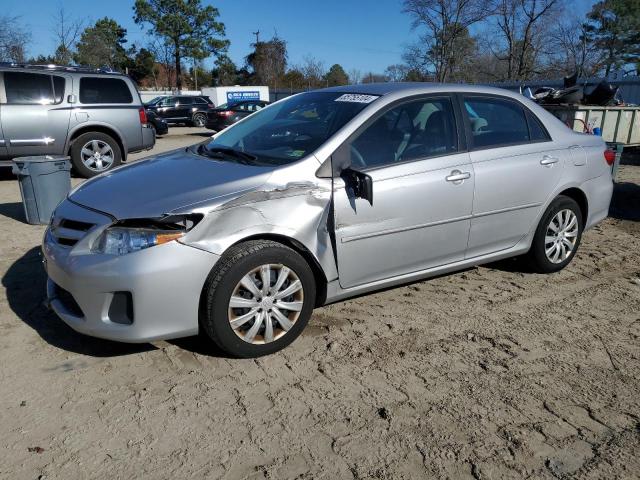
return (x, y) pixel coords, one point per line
(13, 210)
(625, 203)
(25, 283)
(201, 134)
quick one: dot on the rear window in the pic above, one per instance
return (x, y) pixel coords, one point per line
(33, 88)
(104, 90)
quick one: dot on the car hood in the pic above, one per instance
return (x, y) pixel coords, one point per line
(154, 187)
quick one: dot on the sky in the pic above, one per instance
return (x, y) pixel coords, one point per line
(367, 35)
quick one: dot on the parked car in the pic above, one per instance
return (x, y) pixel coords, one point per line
(158, 124)
(186, 109)
(320, 197)
(227, 114)
(93, 116)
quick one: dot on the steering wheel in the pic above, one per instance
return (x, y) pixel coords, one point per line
(359, 160)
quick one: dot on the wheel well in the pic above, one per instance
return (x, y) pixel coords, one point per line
(581, 199)
(98, 128)
(318, 273)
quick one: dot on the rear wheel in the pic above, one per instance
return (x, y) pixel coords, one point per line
(258, 298)
(93, 153)
(557, 237)
(199, 120)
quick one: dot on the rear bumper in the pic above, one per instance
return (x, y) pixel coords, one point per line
(217, 124)
(148, 140)
(599, 191)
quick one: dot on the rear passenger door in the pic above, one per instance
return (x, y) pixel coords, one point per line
(109, 101)
(516, 165)
(35, 114)
(415, 153)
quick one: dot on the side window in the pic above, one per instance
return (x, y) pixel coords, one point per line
(104, 90)
(28, 88)
(411, 131)
(58, 88)
(536, 131)
(495, 122)
(185, 100)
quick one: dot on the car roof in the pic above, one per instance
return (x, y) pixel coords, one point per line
(387, 88)
(52, 69)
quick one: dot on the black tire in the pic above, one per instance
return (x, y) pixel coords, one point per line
(537, 257)
(84, 139)
(225, 276)
(199, 120)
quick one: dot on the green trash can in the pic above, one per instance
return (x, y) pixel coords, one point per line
(44, 182)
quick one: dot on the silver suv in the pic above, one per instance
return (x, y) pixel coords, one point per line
(96, 117)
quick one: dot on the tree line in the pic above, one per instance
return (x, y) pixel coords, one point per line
(458, 41)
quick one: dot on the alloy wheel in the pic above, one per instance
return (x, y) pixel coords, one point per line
(198, 121)
(561, 236)
(97, 155)
(266, 303)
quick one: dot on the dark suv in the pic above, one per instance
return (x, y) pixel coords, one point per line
(96, 117)
(182, 109)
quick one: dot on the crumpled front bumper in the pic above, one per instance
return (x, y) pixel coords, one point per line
(147, 295)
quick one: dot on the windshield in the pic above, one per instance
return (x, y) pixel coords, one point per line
(154, 100)
(289, 130)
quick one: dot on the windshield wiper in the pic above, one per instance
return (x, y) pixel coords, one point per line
(220, 152)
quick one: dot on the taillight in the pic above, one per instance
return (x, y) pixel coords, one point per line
(609, 157)
(143, 116)
(225, 113)
(211, 105)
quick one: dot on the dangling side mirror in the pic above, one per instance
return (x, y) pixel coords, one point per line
(360, 183)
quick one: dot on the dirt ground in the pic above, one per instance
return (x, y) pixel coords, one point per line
(488, 373)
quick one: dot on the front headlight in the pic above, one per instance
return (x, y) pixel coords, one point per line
(121, 240)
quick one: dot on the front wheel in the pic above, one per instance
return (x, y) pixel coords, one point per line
(257, 299)
(557, 237)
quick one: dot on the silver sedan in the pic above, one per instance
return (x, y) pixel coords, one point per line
(319, 197)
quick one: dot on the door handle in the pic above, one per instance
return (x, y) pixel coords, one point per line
(548, 160)
(457, 177)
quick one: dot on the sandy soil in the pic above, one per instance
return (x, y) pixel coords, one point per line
(487, 373)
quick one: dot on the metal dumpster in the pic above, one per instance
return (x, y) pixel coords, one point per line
(617, 124)
(44, 183)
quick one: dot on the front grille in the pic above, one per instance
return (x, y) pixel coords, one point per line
(75, 225)
(67, 232)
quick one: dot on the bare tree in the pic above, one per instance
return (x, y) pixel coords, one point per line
(521, 25)
(164, 74)
(444, 25)
(355, 76)
(66, 34)
(574, 51)
(313, 71)
(13, 40)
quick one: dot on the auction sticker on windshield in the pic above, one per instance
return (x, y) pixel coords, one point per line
(356, 98)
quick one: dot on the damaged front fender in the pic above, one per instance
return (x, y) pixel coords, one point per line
(299, 211)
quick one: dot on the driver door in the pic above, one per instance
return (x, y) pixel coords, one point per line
(423, 184)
